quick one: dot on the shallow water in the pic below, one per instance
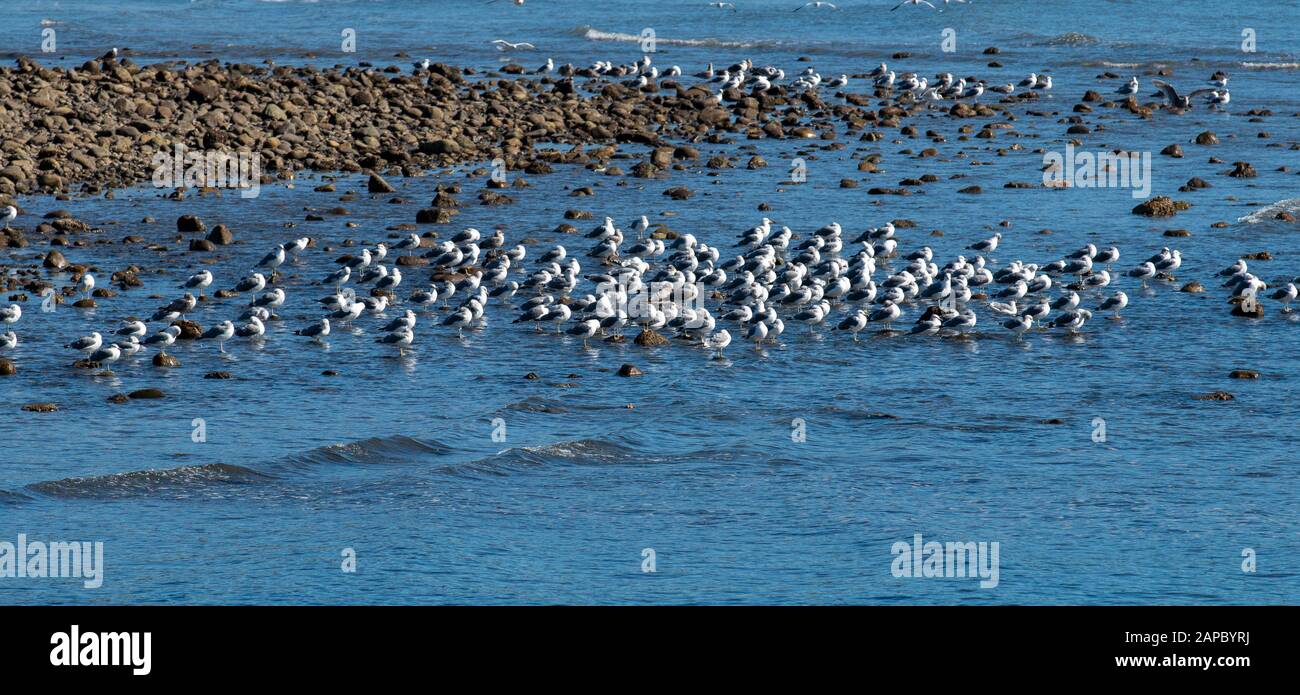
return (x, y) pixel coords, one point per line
(945, 437)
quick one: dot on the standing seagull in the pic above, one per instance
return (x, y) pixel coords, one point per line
(221, 333)
(718, 341)
(201, 280)
(9, 214)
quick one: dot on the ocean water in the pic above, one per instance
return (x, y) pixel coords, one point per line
(394, 458)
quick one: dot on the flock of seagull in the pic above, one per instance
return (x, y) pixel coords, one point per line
(826, 279)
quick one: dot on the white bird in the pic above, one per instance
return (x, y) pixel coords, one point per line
(1285, 294)
(8, 341)
(132, 328)
(199, 280)
(316, 330)
(9, 214)
(11, 314)
(503, 45)
(87, 283)
(87, 344)
(164, 338)
(272, 260)
(253, 329)
(1115, 303)
(718, 341)
(221, 333)
(816, 5)
(108, 353)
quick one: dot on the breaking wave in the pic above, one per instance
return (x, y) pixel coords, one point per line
(593, 34)
(167, 482)
(1265, 214)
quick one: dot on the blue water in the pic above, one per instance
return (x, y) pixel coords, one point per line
(394, 458)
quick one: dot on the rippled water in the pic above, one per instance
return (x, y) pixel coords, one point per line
(945, 437)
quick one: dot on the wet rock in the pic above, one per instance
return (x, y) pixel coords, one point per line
(1177, 233)
(630, 370)
(648, 337)
(85, 304)
(217, 375)
(163, 359)
(1207, 138)
(54, 260)
(1243, 170)
(1160, 206)
(189, 329)
(1243, 374)
(1174, 151)
(971, 190)
(1214, 396)
(756, 162)
(190, 223)
(1193, 287)
(1285, 216)
(377, 184)
(221, 235)
(1255, 311)
(679, 193)
(118, 398)
(532, 376)
(145, 394)
(7, 367)
(41, 408)
(202, 246)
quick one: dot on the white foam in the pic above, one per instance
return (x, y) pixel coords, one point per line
(1264, 214)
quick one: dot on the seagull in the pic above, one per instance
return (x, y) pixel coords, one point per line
(8, 341)
(1019, 324)
(1143, 272)
(164, 338)
(402, 338)
(584, 329)
(87, 283)
(272, 260)
(11, 314)
(718, 341)
(253, 283)
(1131, 87)
(988, 245)
(254, 329)
(1176, 100)
(503, 45)
(87, 344)
(132, 328)
(912, 2)
(816, 5)
(221, 333)
(108, 353)
(316, 330)
(1285, 294)
(200, 280)
(9, 214)
(463, 317)
(1072, 320)
(1115, 303)
(854, 323)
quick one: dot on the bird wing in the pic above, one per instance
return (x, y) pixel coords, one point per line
(1170, 93)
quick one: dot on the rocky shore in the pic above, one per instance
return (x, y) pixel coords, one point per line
(98, 126)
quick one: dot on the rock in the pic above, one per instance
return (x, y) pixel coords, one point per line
(679, 193)
(190, 223)
(1207, 138)
(532, 376)
(118, 398)
(189, 329)
(1193, 287)
(162, 359)
(7, 367)
(148, 393)
(1285, 216)
(54, 260)
(630, 370)
(1160, 206)
(1243, 374)
(971, 190)
(40, 407)
(1243, 170)
(221, 236)
(84, 304)
(1174, 151)
(1253, 312)
(202, 245)
(1177, 233)
(649, 338)
(217, 375)
(1214, 396)
(377, 184)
